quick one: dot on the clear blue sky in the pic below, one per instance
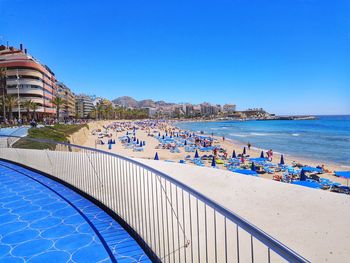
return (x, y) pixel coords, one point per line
(286, 56)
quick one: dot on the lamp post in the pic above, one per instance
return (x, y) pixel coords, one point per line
(19, 104)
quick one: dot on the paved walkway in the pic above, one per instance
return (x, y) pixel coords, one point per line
(44, 221)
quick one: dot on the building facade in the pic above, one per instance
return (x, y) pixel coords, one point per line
(28, 79)
(229, 108)
(68, 109)
(84, 105)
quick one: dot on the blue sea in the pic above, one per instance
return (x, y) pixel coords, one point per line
(326, 139)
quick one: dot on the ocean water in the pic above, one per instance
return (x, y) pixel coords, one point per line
(326, 139)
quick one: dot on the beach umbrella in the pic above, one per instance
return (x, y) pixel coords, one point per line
(137, 141)
(282, 160)
(262, 154)
(213, 163)
(134, 139)
(163, 137)
(196, 155)
(156, 156)
(234, 154)
(128, 139)
(244, 151)
(185, 142)
(308, 184)
(302, 175)
(253, 167)
(344, 174)
(140, 144)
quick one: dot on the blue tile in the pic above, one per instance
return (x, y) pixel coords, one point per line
(47, 222)
(12, 227)
(90, 254)
(73, 241)
(32, 247)
(20, 236)
(58, 231)
(51, 256)
(4, 249)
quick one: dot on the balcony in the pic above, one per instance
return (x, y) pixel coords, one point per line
(24, 81)
(27, 91)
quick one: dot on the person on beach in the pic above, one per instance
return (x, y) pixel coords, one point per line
(242, 159)
(215, 152)
(269, 155)
(223, 138)
(249, 145)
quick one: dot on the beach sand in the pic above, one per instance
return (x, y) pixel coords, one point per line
(89, 140)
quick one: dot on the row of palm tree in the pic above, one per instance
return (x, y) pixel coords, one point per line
(10, 102)
(105, 110)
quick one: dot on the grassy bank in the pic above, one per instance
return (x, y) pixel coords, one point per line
(57, 133)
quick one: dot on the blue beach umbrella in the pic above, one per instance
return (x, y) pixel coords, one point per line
(185, 142)
(262, 154)
(311, 169)
(213, 163)
(140, 144)
(244, 151)
(156, 156)
(196, 155)
(137, 141)
(282, 160)
(234, 154)
(344, 174)
(302, 175)
(128, 139)
(308, 184)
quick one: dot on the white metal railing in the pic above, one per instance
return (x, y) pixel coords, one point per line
(172, 221)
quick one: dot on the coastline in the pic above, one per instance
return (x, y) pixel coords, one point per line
(165, 155)
(294, 156)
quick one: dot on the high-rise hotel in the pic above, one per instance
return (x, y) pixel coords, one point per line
(28, 79)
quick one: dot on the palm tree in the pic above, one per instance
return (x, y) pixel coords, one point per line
(99, 110)
(58, 101)
(28, 106)
(3, 89)
(10, 102)
(34, 106)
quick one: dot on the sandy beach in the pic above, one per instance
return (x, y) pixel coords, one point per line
(86, 138)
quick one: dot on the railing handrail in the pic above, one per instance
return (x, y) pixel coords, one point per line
(275, 245)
